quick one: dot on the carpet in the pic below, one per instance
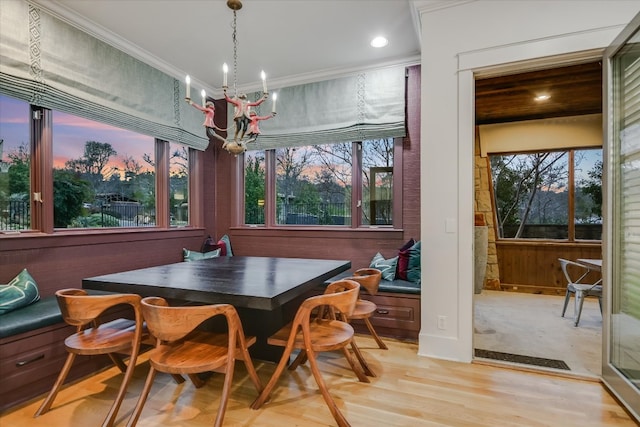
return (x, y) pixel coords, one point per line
(517, 358)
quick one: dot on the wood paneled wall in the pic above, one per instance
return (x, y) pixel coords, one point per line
(534, 266)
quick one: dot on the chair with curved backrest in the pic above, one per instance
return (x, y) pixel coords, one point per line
(369, 279)
(314, 332)
(183, 349)
(111, 338)
(581, 290)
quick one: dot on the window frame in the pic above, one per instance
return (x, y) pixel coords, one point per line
(356, 196)
(571, 185)
(41, 183)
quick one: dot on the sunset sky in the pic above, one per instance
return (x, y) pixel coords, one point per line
(69, 135)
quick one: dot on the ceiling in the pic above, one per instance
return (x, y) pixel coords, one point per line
(301, 41)
(294, 42)
(574, 90)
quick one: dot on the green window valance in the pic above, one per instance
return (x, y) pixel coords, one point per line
(52, 64)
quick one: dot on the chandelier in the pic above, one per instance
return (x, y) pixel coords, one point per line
(246, 129)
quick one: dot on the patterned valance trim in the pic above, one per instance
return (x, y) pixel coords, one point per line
(52, 64)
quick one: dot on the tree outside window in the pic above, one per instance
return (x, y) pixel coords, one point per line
(535, 194)
(102, 176)
(315, 185)
(15, 165)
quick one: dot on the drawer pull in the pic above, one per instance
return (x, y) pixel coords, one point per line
(382, 311)
(26, 362)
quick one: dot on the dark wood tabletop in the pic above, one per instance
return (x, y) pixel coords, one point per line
(265, 291)
(262, 283)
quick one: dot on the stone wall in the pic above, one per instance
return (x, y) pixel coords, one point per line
(484, 210)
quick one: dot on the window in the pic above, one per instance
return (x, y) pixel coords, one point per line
(254, 183)
(322, 185)
(102, 176)
(313, 185)
(536, 194)
(15, 161)
(179, 184)
(377, 182)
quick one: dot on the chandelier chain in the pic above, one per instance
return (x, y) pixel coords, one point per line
(235, 54)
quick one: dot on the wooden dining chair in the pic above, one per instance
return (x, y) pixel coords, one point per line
(183, 349)
(369, 280)
(92, 337)
(313, 332)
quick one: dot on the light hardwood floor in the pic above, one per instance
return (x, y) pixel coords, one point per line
(409, 391)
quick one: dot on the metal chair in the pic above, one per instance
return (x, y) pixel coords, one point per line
(577, 287)
(111, 338)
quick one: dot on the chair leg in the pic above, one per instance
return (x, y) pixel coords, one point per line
(46, 405)
(578, 309)
(299, 360)
(196, 380)
(248, 363)
(567, 296)
(178, 378)
(117, 360)
(337, 415)
(133, 420)
(226, 390)
(362, 377)
(128, 375)
(600, 304)
(363, 362)
(374, 334)
(264, 396)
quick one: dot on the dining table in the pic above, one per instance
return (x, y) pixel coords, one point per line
(266, 291)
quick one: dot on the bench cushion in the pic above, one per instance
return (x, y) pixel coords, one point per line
(396, 285)
(44, 312)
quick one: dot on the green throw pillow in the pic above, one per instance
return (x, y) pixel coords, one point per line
(386, 266)
(413, 269)
(19, 292)
(196, 256)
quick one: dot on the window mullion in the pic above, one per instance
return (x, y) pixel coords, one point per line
(356, 186)
(41, 196)
(571, 220)
(270, 188)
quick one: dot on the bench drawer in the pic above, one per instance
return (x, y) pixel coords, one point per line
(30, 363)
(397, 315)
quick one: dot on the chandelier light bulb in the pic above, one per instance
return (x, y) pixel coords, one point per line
(188, 81)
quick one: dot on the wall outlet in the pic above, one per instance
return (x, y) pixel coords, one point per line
(442, 322)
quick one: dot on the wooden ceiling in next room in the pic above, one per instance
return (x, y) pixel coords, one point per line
(573, 90)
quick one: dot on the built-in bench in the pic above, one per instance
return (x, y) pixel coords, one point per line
(398, 312)
(40, 314)
(32, 351)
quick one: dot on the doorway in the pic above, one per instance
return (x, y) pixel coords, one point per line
(517, 315)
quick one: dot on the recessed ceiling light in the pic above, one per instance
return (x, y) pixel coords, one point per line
(542, 97)
(379, 42)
